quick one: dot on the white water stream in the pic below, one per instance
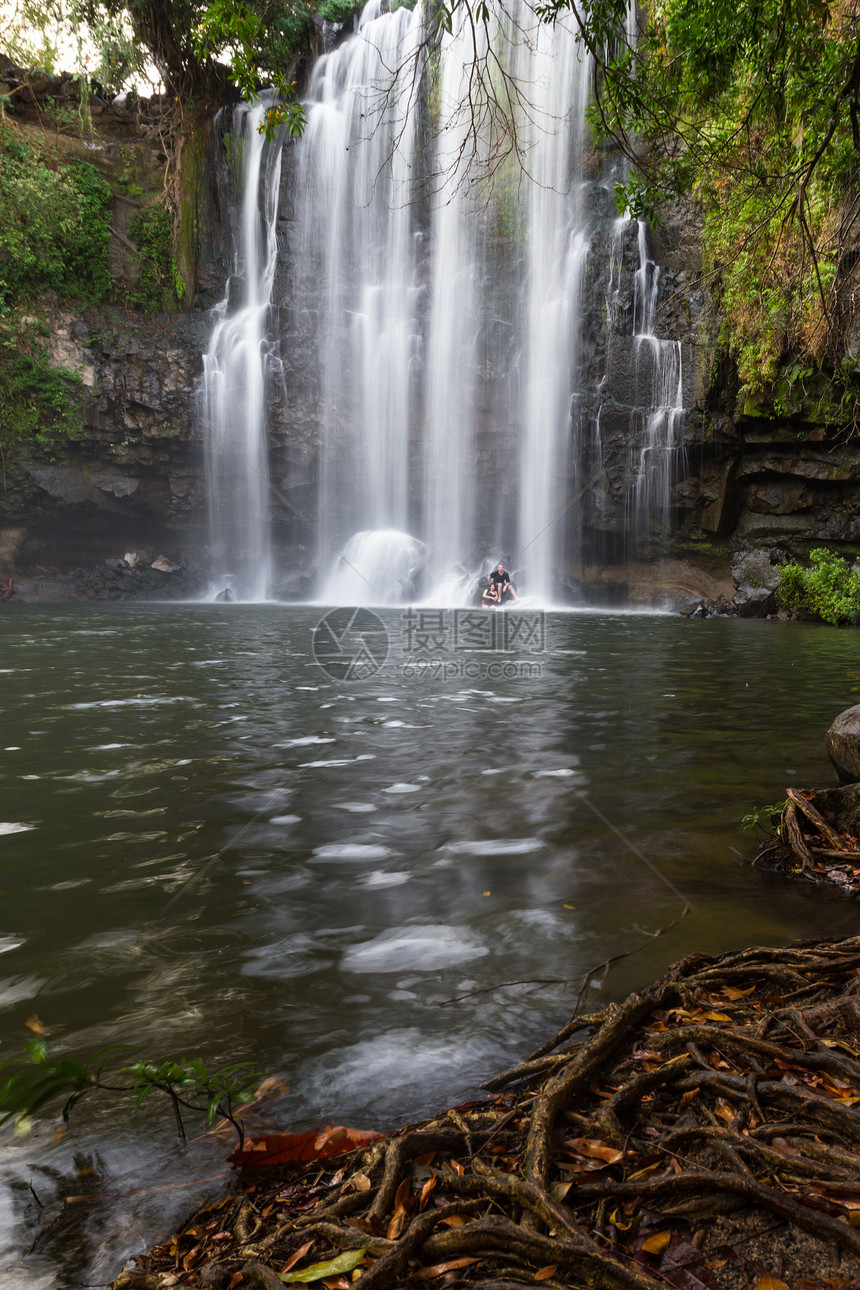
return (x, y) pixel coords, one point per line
(238, 367)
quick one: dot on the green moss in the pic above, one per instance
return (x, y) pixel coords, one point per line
(191, 164)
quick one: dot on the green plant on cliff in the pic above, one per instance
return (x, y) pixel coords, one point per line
(39, 403)
(828, 590)
(751, 107)
(158, 285)
(54, 224)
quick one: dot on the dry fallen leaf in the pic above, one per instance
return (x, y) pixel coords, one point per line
(657, 1243)
(297, 1257)
(544, 1274)
(439, 1269)
(595, 1149)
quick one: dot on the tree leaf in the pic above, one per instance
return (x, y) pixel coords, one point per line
(332, 1267)
(657, 1243)
(289, 1148)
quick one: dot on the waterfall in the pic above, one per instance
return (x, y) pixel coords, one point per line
(444, 290)
(659, 364)
(237, 371)
(433, 321)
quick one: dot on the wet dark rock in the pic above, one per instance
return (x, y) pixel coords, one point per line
(719, 607)
(843, 746)
(755, 580)
(698, 609)
(840, 806)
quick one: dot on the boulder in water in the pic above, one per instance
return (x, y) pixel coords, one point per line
(225, 597)
(843, 745)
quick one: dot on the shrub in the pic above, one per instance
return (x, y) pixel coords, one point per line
(54, 225)
(829, 590)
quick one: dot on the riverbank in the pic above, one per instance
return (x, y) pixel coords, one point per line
(702, 1133)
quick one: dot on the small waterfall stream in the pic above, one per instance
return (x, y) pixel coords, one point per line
(661, 362)
(237, 370)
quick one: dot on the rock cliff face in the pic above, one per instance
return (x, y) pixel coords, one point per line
(132, 475)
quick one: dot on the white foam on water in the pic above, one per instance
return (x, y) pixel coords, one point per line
(355, 808)
(379, 878)
(8, 943)
(285, 819)
(351, 851)
(402, 788)
(15, 828)
(497, 847)
(420, 949)
(304, 741)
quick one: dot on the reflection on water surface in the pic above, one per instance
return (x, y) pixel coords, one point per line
(210, 847)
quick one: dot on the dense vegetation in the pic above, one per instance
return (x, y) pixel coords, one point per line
(828, 590)
(54, 224)
(54, 233)
(752, 108)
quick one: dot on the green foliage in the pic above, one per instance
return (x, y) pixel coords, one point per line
(342, 10)
(238, 27)
(158, 286)
(772, 814)
(32, 1079)
(829, 590)
(39, 403)
(751, 107)
(54, 34)
(54, 224)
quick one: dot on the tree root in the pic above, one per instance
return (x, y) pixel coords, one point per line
(657, 1150)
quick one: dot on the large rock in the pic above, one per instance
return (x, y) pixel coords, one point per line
(755, 581)
(843, 745)
(840, 806)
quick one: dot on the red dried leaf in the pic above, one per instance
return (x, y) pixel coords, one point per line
(544, 1274)
(293, 1148)
(297, 1257)
(439, 1269)
(594, 1149)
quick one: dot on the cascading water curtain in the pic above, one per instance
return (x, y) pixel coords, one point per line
(442, 273)
(237, 369)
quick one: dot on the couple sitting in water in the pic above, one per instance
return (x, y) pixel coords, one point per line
(497, 588)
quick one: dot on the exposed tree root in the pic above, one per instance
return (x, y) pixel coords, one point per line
(703, 1133)
(808, 846)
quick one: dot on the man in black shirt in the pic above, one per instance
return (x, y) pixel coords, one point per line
(501, 580)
